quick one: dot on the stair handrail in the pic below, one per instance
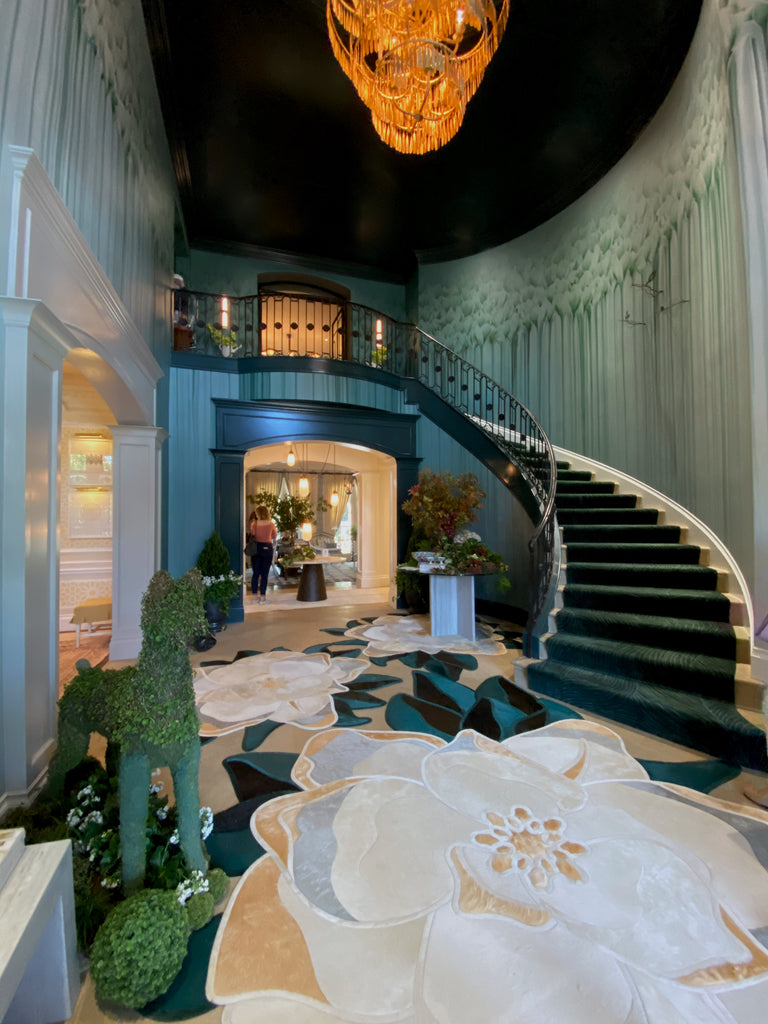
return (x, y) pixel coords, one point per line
(351, 332)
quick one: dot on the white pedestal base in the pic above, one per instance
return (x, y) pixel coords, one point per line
(452, 606)
(39, 976)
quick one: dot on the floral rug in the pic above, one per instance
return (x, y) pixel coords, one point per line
(451, 849)
(542, 878)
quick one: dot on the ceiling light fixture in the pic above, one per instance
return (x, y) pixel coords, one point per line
(291, 459)
(416, 63)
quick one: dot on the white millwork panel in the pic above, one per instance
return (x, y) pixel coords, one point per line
(33, 344)
(39, 972)
(136, 462)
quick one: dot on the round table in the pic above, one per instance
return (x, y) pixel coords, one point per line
(312, 582)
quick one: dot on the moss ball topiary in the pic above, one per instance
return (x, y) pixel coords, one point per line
(199, 910)
(218, 881)
(139, 949)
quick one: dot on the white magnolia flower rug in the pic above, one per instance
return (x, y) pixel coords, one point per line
(282, 686)
(391, 635)
(544, 878)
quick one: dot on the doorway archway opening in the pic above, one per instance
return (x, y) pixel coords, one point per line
(359, 530)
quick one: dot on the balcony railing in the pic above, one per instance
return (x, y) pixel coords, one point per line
(278, 324)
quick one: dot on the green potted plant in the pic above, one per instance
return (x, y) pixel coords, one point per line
(289, 513)
(220, 583)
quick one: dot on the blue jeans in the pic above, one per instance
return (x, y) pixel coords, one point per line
(261, 563)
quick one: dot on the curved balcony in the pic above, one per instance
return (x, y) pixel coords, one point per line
(281, 331)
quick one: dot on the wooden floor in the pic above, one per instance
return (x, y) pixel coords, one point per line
(93, 646)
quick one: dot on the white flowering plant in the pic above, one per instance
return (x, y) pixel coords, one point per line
(220, 590)
(93, 822)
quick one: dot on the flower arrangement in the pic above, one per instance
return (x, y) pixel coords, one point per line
(467, 554)
(302, 553)
(440, 503)
(439, 506)
(226, 340)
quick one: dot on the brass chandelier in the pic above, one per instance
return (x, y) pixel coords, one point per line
(416, 63)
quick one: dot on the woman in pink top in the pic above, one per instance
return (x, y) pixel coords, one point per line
(264, 531)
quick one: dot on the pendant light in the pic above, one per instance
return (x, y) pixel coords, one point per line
(334, 492)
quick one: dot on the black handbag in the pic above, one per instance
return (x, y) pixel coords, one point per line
(251, 546)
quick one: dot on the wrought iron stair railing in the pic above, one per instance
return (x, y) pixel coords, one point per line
(282, 324)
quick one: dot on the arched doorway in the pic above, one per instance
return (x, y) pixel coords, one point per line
(366, 483)
(242, 426)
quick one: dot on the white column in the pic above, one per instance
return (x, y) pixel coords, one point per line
(33, 343)
(376, 533)
(135, 530)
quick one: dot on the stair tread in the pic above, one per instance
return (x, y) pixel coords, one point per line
(705, 723)
(642, 574)
(661, 592)
(678, 660)
(651, 621)
(607, 515)
(580, 499)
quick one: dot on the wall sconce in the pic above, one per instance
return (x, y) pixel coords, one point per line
(379, 334)
(224, 313)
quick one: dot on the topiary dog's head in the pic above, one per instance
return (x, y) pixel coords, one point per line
(172, 609)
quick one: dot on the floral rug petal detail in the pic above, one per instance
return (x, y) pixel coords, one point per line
(404, 855)
(393, 635)
(280, 686)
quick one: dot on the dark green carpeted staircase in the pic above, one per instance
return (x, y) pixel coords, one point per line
(643, 637)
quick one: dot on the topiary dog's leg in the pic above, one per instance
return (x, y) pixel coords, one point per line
(185, 787)
(133, 791)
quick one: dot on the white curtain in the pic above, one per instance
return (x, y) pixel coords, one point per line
(259, 480)
(330, 482)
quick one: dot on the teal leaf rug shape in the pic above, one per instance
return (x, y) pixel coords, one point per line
(254, 735)
(253, 774)
(186, 996)
(701, 775)
(214, 663)
(439, 689)
(353, 648)
(409, 714)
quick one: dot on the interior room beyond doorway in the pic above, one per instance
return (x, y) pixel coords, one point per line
(351, 492)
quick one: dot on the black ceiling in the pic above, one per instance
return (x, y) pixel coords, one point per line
(274, 152)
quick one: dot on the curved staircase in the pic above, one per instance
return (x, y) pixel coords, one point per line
(644, 631)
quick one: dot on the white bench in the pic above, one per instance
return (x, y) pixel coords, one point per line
(90, 611)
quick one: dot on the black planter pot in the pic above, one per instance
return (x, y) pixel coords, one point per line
(215, 616)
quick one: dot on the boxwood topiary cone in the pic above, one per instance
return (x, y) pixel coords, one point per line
(213, 560)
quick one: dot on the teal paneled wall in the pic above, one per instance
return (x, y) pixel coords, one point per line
(621, 323)
(221, 274)
(78, 88)
(503, 524)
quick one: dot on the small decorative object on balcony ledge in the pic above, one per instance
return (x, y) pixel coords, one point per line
(225, 339)
(439, 506)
